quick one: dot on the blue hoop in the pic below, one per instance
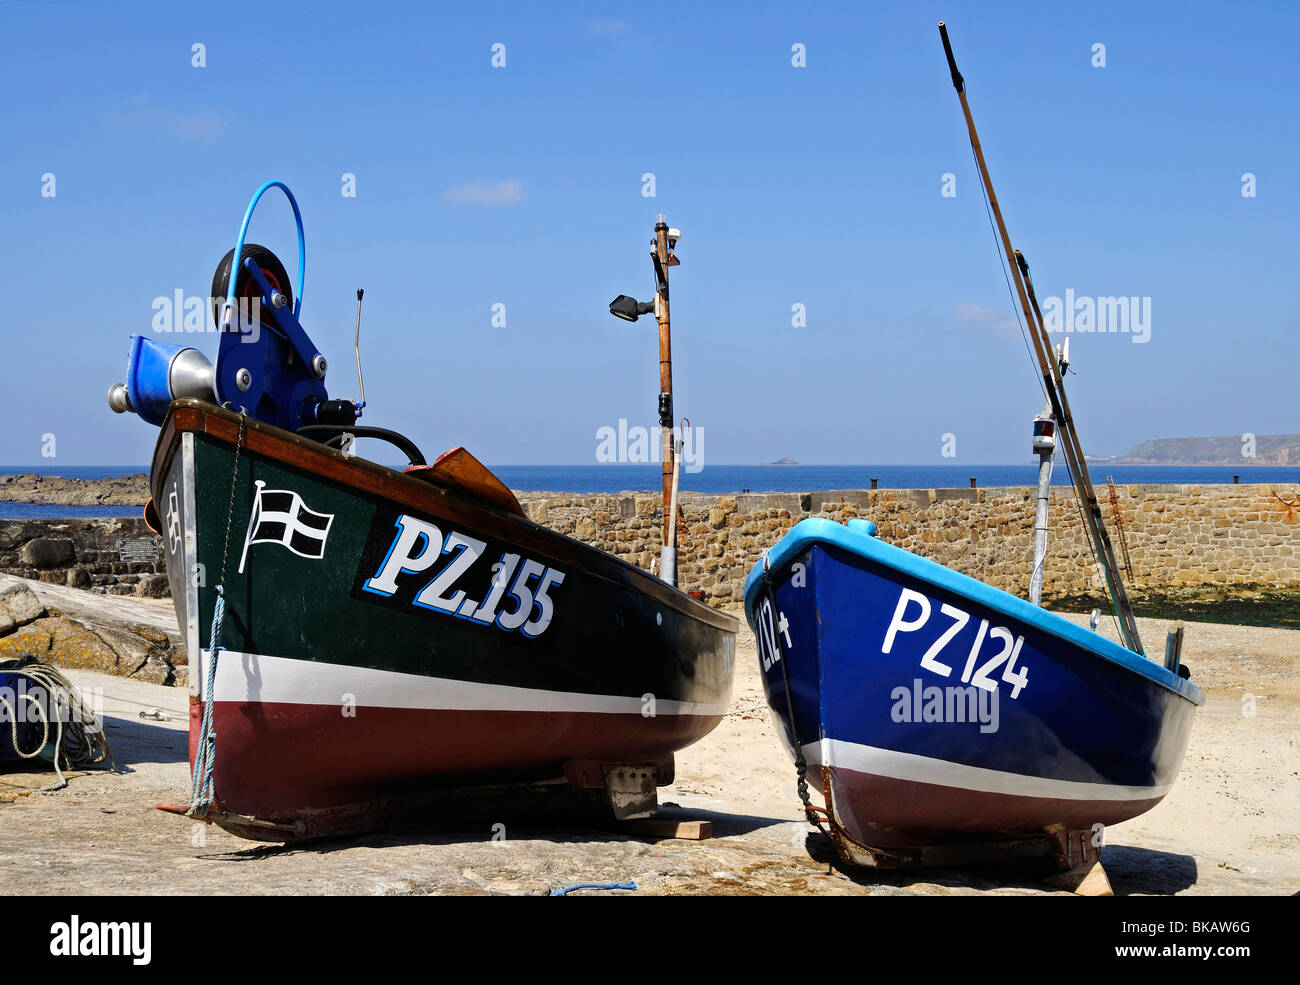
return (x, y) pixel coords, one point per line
(243, 231)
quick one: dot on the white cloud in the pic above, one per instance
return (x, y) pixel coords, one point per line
(508, 191)
(606, 27)
(204, 126)
(988, 319)
(969, 311)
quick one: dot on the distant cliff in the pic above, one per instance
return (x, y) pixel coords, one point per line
(1268, 449)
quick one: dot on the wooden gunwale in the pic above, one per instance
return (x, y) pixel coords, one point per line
(380, 482)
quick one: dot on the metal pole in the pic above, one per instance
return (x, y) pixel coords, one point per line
(1041, 517)
(1053, 385)
(668, 567)
(1174, 647)
(1040, 527)
(356, 345)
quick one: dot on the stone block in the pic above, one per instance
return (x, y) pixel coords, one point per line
(48, 552)
(154, 587)
(19, 602)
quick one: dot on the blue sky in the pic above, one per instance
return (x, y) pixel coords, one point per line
(522, 185)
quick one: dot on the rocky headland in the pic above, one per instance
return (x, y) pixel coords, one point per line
(32, 487)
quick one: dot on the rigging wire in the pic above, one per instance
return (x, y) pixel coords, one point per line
(1042, 388)
(1097, 563)
(1002, 263)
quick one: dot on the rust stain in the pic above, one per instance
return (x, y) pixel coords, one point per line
(1288, 505)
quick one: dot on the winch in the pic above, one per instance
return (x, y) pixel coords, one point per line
(267, 365)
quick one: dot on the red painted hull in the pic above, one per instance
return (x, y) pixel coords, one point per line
(909, 814)
(284, 761)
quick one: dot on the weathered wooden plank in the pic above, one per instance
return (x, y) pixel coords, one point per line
(665, 828)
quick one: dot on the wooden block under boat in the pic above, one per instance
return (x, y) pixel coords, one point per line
(664, 828)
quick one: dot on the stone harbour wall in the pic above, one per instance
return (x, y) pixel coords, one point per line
(1220, 538)
(1224, 539)
(110, 555)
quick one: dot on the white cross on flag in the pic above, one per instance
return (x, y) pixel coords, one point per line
(281, 517)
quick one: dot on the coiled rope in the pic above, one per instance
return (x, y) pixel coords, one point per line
(79, 738)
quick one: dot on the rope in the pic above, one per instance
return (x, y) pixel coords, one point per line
(593, 885)
(82, 742)
(205, 756)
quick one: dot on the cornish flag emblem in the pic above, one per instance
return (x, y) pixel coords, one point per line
(281, 517)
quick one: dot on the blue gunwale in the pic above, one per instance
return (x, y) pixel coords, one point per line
(857, 540)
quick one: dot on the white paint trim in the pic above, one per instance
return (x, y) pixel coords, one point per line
(190, 555)
(923, 769)
(246, 677)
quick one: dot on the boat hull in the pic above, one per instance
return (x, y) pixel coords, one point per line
(936, 709)
(383, 635)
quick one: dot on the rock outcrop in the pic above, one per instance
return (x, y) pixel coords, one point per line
(32, 487)
(93, 638)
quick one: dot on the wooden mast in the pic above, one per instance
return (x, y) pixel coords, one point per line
(1052, 384)
(663, 259)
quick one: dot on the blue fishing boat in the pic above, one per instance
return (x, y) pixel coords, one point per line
(938, 711)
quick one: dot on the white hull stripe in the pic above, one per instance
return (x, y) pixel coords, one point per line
(254, 677)
(923, 769)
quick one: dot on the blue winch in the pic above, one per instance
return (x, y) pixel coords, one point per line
(267, 366)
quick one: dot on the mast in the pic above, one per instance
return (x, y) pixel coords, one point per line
(1053, 385)
(663, 259)
(629, 309)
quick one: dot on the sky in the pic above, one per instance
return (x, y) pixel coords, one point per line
(522, 184)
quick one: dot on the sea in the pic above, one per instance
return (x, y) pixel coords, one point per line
(613, 478)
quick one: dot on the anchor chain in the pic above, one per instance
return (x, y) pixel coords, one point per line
(815, 816)
(811, 812)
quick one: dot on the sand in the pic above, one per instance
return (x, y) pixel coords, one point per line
(1231, 825)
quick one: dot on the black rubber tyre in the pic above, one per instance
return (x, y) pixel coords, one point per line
(272, 269)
